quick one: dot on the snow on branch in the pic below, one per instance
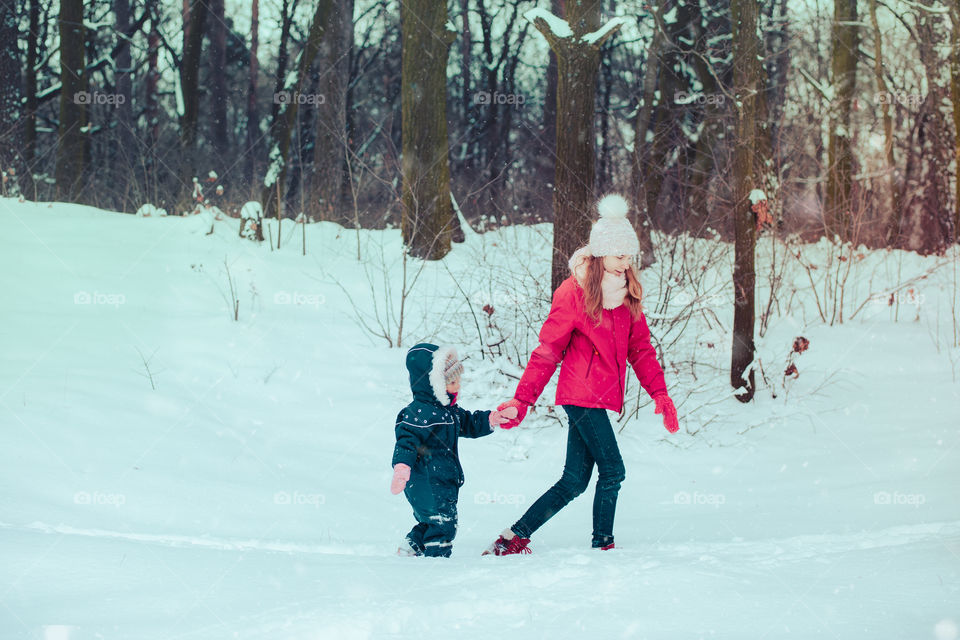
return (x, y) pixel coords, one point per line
(823, 89)
(557, 26)
(929, 9)
(601, 34)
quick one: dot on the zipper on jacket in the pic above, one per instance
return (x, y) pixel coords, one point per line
(590, 364)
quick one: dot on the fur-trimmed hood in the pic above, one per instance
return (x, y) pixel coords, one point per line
(425, 363)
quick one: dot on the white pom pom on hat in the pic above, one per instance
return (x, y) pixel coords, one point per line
(613, 205)
(612, 234)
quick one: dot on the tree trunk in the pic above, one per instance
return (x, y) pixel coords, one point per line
(894, 221)
(747, 89)
(466, 45)
(329, 150)
(955, 96)
(71, 139)
(932, 220)
(700, 167)
(124, 155)
(253, 116)
(578, 63)
(427, 214)
(548, 133)
(31, 102)
(218, 82)
(286, 20)
(10, 105)
(151, 101)
(286, 114)
(190, 95)
(840, 161)
(604, 170)
(644, 194)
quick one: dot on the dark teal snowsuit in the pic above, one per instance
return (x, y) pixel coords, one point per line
(427, 431)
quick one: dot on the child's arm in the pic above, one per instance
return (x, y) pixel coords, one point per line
(405, 452)
(412, 433)
(476, 424)
(473, 424)
(409, 440)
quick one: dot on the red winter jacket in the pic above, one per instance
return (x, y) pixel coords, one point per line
(594, 356)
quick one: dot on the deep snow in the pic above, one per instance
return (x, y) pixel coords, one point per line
(246, 496)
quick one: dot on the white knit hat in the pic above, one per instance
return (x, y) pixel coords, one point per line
(612, 234)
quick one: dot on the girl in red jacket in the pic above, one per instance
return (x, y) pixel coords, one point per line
(595, 328)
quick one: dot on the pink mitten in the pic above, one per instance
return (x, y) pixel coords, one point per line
(498, 417)
(518, 418)
(665, 406)
(401, 473)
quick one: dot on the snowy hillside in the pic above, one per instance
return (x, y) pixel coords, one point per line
(169, 471)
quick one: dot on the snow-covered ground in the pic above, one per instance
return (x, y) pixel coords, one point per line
(168, 472)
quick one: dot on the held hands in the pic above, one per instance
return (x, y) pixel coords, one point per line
(498, 417)
(665, 406)
(514, 417)
(401, 473)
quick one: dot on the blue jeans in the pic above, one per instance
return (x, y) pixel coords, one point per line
(590, 440)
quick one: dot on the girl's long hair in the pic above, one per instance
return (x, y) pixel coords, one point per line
(593, 291)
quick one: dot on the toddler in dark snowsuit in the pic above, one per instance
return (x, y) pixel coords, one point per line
(425, 460)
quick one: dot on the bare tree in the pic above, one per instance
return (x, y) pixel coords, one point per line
(642, 205)
(329, 151)
(427, 212)
(286, 110)
(955, 96)
(578, 61)
(30, 98)
(71, 138)
(125, 141)
(190, 95)
(10, 109)
(840, 157)
(893, 223)
(253, 116)
(218, 78)
(747, 89)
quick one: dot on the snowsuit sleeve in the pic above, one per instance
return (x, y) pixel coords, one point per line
(554, 339)
(409, 441)
(473, 424)
(643, 358)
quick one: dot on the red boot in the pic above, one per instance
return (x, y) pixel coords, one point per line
(504, 547)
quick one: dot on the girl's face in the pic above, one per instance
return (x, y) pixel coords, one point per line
(617, 265)
(453, 387)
